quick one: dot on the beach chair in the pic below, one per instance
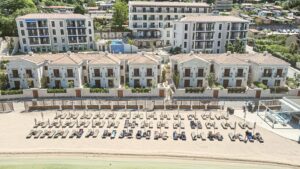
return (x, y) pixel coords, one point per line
(242, 125)
(224, 125)
(31, 133)
(203, 136)
(232, 136)
(96, 132)
(194, 136)
(65, 134)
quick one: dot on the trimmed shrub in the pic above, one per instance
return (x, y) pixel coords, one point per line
(11, 92)
(279, 89)
(236, 89)
(56, 91)
(99, 90)
(194, 90)
(260, 85)
(140, 90)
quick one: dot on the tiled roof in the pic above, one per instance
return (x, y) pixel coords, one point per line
(53, 16)
(212, 18)
(166, 4)
(235, 58)
(93, 58)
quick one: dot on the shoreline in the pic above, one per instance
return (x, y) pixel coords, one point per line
(151, 156)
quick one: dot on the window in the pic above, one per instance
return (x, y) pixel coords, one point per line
(121, 67)
(84, 67)
(91, 39)
(185, 36)
(23, 32)
(21, 24)
(185, 44)
(63, 40)
(218, 50)
(220, 35)
(55, 40)
(61, 24)
(186, 27)
(220, 26)
(54, 32)
(168, 34)
(219, 43)
(62, 32)
(53, 23)
(45, 67)
(90, 31)
(24, 41)
(89, 23)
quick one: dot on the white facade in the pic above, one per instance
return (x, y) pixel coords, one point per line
(55, 32)
(100, 70)
(229, 70)
(223, 5)
(209, 33)
(152, 22)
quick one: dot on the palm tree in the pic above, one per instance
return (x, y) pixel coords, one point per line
(131, 42)
(108, 45)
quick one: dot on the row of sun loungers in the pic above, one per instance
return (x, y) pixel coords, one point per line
(250, 137)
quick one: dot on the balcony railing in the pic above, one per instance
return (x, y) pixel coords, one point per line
(56, 75)
(70, 75)
(227, 74)
(27, 75)
(14, 76)
(188, 75)
(200, 74)
(149, 74)
(240, 74)
(109, 75)
(96, 75)
(136, 75)
(279, 75)
(267, 75)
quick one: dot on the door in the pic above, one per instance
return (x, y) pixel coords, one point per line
(120, 93)
(225, 83)
(258, 93)
(97, 83)
(216, 93)
(35, 94)
(200, 83)
(57, 84)
(238, 83)
(161, 93)
(187, 83)
(78, 93)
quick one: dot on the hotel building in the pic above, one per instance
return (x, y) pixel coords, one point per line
(152, 22)
(50, 32)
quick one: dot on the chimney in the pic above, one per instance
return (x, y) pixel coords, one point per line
(30, 53)
(265, 53)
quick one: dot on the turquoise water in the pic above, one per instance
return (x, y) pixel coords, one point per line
(122, 163)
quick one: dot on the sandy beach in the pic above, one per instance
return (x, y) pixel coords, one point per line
(16, 125)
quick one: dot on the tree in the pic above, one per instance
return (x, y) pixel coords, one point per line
(176, 78)
(3, 81)
(91, 3)
(79, 9)
(120, 13)
(131, 42)
(163, 75)
(211, 79)
(293, 48)
(44, 83)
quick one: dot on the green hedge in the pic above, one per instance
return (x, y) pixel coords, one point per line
(279, 89)
(194, 90)
(11, 92)
(140, 90)
(236, 89)
(98, 90)
(56, 91)
(260, 85)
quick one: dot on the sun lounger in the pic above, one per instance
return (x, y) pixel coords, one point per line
(51, 133)
(224, 125)
(242, 125)
(65, 134)
(240, 136)
(156, 135)
(31, 133)
(231, 125)
(194, 136)
(203, 136)
(249, 126)
(116, 124)
(199, 124)
(208, 125)
(232, 136)
(219, 136)
(218, 116)
(148, 134)
(258, 137)
(89, 133)
(95, 134)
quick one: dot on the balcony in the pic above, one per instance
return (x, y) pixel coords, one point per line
(56, 75)
(188, 75)
(147, 37)
(109, 75)
(28, 75)
(279, 75)
(235, 28)
(227, 74)
(240, 75)
(33, 34)
(96, 75)
(267, 75)
(136, 75)
(70, 75)
(14, 76)
(153, 26)
(149, 74)
(200, 74)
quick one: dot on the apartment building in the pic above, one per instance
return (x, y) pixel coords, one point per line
(101, 70)
(229, 70)
(208, 33)
(53, 32)
(152, 22)
(266, 68)
(223, 5)
(191, 69)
